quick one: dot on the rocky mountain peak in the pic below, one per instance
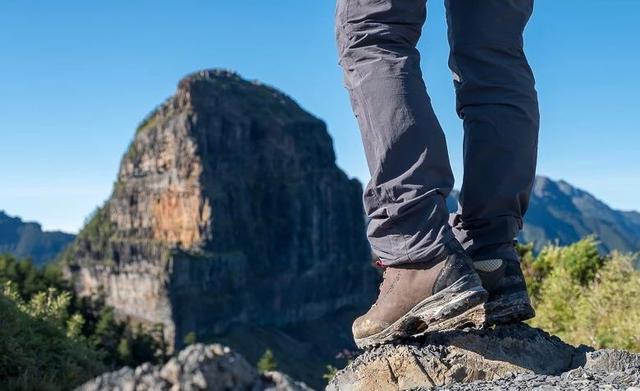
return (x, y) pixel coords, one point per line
(229, 210)
(561, 212)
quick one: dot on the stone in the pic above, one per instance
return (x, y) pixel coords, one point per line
(278, 381)
(515, 357)
(197, 367)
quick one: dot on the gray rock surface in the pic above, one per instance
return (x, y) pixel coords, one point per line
(197, 367)
(507, 357)
(230, 219)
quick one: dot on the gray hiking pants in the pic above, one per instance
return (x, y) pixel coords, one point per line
(404, 143)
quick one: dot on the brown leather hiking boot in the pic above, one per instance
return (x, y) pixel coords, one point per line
(419, 298)
(508, 300)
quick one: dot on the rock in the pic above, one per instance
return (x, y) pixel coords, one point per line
(278, 381)
(197, 367)
(607, 360)
(229, 217)
(506, 357)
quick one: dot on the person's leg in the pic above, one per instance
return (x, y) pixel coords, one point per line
(497, 100)
(429, 282)
(404, 143)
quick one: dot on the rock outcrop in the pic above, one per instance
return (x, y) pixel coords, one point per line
(229, 219)
(197, 367)
(506, 357)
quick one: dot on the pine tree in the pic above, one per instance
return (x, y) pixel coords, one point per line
(267, 362)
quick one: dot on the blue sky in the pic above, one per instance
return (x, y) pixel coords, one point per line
(76, 77)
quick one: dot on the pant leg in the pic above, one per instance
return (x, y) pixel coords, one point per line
(497, 101)
(404, 143)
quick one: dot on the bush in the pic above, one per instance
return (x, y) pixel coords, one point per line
(267, 362)
(581, 260)
(37, 349)
(41, 302)
(584, 297)
(28, 279)
(190, 338)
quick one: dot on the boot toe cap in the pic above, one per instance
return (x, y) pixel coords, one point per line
(365, 327)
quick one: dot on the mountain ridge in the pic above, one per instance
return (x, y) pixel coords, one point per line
(562, 213)
(26, 239)
(583, 214)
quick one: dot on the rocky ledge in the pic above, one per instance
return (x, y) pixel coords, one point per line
(197, 367)
(506, 357)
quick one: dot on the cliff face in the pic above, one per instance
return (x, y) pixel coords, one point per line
(228, 210)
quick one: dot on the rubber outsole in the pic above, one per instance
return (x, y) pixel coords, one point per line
(512, 308)
(457, 306)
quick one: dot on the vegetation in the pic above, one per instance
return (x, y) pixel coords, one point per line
(51, 339)
(585, 297)
(26, 278)
(330, 373)
(580, 295)
(267, 362)
(40, 346)
(190, 338)
(95, 236)
(132, 152)
(152, 117)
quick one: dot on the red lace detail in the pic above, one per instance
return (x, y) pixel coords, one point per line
(380, 264)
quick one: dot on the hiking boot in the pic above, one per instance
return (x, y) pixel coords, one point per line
(421, 298)
(508, 298)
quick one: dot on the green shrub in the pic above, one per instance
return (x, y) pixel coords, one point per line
(36, 349)
(267, 362)
(586, 298)
(27, 278)
(190, 338)
(607, 313)
(42, 296)
(581, 260)
(330, 373)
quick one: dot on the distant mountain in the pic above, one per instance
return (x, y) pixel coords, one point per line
(28, 240)
(563, 212)
(559, 212)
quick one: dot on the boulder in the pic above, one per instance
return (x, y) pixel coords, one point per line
(504, 357)
(197, 367)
